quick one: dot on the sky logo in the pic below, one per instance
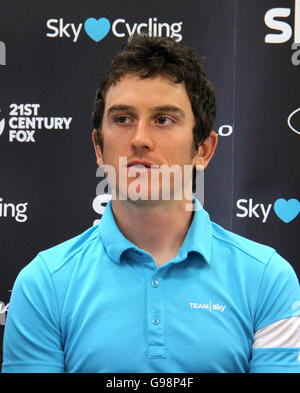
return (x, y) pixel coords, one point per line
(285, 210)
(283, 29)
(97, 29)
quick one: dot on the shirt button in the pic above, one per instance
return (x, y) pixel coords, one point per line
(155, 320)
(155, 283)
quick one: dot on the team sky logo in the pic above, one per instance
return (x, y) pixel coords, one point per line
(285, 210)
(98, 29)
(276, 20)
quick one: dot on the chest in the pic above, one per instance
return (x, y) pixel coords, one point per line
(156, 324)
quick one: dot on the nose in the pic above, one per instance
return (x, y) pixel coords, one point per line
(141, 138)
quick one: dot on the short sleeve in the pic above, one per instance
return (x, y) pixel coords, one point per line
(32, 336)
(276, 346)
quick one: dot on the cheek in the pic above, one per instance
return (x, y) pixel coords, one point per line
(184, 153)
(114, 148)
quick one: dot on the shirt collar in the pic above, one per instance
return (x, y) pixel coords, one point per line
(198, 238)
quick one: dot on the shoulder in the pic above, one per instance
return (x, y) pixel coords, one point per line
(242, 245)
(273, 276)
(60, 254)
(251, 253)
(47, 276)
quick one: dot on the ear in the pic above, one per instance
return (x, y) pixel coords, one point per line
(206, 150)
(97, 148)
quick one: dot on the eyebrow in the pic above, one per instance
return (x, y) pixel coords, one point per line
(164, 108)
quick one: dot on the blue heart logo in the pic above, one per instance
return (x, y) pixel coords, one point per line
(287, 210)
(97, 29)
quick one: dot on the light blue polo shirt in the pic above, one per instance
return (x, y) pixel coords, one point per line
(98, 303)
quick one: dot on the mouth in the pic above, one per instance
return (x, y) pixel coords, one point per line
(142, 164)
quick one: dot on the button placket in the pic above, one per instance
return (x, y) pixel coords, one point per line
(156, 347)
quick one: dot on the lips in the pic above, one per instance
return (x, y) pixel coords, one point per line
(142, 164)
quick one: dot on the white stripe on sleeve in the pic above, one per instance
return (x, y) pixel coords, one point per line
(283, 333)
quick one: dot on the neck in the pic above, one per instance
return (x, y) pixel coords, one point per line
(158, 228)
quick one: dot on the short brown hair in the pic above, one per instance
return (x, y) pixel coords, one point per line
(147, 57)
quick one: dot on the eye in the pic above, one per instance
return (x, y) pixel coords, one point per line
(121, 119)
(164, 120)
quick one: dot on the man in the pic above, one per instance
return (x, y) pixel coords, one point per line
(156, 287)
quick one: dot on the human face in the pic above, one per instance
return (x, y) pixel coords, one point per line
(147, 120)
